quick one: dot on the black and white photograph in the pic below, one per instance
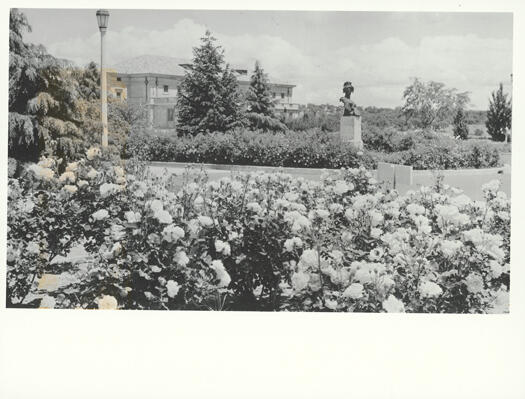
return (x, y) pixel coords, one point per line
(284, 166)
(196, 167)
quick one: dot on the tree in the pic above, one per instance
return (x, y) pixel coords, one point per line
(24, 81)
(45, 115)
(89, 82)
(460, 125)
(499, 116)
(208, 97)
(431, 105)
(260, 104)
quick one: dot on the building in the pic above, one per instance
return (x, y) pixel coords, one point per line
(153, 81)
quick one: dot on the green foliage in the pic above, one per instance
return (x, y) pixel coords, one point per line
(499, 116)
(89, 82)
(324, 117)
(431, 105)
(305, 149)
(474, 117)
(259, 103)
(259, 242)
(314, 149)
(258, 97)
(460, 125)
(208, 97)
(45, 103)
(383, 118)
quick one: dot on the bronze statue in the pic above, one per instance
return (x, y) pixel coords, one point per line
(350, 107)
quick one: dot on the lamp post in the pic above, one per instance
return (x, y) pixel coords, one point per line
(102, 19)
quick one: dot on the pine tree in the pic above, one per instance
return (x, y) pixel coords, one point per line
(259, 98)
(460, 125)
(499, 116)
(208, 97)
(260, 105)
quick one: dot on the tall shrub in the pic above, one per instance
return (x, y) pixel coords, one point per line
(260, 105)
(460, 125)
(499, 116)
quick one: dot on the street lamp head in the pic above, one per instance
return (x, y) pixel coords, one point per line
(102, 18)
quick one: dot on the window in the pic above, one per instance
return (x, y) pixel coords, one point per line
(282, 95)
(119, 94)
(166, 88)
(119, 79)
(171, 112)
(274, 95)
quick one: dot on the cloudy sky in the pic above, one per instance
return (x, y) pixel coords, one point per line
(317, 51)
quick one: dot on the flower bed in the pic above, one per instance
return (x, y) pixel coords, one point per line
(309, 150)
(254, 242)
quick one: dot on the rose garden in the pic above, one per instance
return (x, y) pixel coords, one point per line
(254, 241)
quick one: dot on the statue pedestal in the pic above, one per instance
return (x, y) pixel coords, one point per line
(350, 131)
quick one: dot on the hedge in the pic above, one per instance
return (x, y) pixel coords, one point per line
(310, 149)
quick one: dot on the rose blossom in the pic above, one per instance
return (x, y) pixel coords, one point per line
(107, 302)
(354, 291)
(173, 288)
(393, 305)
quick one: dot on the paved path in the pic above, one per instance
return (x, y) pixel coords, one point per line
(468, 180)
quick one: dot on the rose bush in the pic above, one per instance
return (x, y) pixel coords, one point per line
(252, 242)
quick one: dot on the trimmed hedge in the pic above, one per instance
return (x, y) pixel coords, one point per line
(312, 149)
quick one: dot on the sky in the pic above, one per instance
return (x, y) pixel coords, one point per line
(380, 52)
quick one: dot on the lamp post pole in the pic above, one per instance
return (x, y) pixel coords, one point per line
(102, 17)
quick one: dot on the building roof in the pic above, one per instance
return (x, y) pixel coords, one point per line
(151, 64)
(163, 65)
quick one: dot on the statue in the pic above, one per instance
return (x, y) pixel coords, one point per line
(350, 107)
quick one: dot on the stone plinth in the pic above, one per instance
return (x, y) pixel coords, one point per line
(350, 131)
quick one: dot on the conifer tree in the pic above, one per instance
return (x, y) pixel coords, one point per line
(499, 116)
(260, 105)
(460, 125)
(45, 115)
(208, 97)
(259, 98)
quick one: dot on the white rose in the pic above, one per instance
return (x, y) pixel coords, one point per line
(222, 275)
(474, 283)
(222, 247)
(300, 280)
(92, 153)
(181, 258)
(428, 289)
(354, 291)
(47, 302)
(205, 221)
(67, 176)
(100, 214)
(393, 305)
(72, 167)
(70, 189)
(331, 304)
(163, 217)
(254, 207)
(33, 248)
(107, 189)
(132, 217)
(449, 248)
(173, 288)
(107, 302)
(172, 233)
(495, 268)
(92, 174)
